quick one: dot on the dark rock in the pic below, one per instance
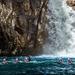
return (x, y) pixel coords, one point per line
(19, 25)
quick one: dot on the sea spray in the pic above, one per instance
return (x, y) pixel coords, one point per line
(61, 29)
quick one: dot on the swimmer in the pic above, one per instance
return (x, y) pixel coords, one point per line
(4, 61)
(27, 59)
(16, 60)
(69, 61)
(61, 60)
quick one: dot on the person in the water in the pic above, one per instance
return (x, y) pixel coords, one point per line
(4, 61)
(61, 60)
(27, 59)
(69, 61)
(16, 60)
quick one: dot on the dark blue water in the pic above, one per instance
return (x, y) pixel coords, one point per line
(37, 66)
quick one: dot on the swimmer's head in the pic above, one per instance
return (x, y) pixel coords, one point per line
(4, 59)
(16, 58)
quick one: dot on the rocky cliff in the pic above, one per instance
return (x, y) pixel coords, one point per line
(22, 26)
(71, 3)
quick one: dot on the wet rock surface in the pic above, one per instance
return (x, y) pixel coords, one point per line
(22, 26)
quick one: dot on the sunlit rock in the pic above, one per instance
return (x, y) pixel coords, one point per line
(71, 3)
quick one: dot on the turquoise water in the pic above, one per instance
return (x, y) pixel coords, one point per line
(37, 66)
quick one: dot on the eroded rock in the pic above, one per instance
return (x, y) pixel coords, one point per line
(19, 25)
(71, 3)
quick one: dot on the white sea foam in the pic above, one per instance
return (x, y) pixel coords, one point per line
(61, 39)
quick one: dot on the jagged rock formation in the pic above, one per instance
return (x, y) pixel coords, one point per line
(22, 26)
(71, 3)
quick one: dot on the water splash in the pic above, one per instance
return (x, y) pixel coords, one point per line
(61, 29)
(70, 23)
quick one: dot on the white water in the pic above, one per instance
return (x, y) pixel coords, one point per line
(61, 29)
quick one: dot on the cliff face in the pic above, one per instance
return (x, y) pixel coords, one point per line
(22, 26)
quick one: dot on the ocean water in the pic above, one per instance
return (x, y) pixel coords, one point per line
(39, 65)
